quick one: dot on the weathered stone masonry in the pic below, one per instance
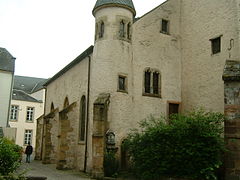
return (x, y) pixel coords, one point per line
(231, 79)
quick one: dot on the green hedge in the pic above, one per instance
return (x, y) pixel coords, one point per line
(189, 146)
(10, 154)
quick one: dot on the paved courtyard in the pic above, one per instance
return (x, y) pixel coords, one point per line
(36, 168)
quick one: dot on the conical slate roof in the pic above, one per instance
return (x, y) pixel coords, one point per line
(120, 3)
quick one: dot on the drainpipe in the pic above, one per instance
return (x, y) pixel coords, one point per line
(44, 111)
(88, 91)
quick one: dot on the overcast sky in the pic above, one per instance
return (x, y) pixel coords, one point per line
(45, 35)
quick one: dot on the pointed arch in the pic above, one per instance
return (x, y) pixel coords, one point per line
(66, 102)
(52, 107)
(82, 121)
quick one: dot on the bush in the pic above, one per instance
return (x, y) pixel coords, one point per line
(10, 154)
(190, 146)
(110, 164)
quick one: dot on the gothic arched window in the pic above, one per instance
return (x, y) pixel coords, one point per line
(66, 102)
(129, 31)
(82, 123)
(101, 29)
(152, 84)
(122, 29)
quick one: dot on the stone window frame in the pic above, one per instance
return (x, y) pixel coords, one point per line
(16, 113)
(98, 34)
(213, 41)
(82, 120)
(152, 71)
(30, 112)
(127, 33)
(122, 75)
(168, 26)
(26, 136)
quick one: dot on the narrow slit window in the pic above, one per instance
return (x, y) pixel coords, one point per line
(155, 83)
(101, 31)
(129, 31)
(147, 82)
(122, 29)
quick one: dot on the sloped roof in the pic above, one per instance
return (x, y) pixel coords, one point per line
(28, 84)
(7, 61)
(82, 56)
(22, 96)
(123, 3)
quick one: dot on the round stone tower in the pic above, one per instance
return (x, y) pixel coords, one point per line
(111, 75)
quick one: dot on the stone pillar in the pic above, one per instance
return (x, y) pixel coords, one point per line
(231, 77)
(100, 111)
(39, 138)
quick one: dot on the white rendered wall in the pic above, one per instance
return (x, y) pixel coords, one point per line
(5, 96)
(21, 125)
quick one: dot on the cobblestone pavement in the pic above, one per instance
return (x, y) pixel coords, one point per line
(36, 168)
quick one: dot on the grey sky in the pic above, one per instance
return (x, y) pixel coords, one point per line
(45, 35)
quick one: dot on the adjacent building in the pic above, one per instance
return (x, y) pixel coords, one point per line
(7, 64)
(26, 106)
(169, 60)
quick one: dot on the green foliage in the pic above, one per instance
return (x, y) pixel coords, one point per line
(110, 164)
(189, 146)
(10, 154)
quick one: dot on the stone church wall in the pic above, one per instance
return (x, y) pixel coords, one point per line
(201, 70)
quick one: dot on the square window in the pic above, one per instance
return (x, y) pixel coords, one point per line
(165, 26)
(216, 45)
(122, 83)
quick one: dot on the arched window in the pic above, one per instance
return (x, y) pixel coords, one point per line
(152, 82)
(82, 122)
(122, 29)
(101, 30)
(66, 102)
(96, 31)
(52, 107)
(129, 31)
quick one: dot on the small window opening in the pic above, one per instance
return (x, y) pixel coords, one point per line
(165, 26)
(122, 83)
(52, 107)
(216, 45)
(66, 103)
(173, 109)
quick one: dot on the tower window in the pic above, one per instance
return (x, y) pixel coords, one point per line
(129, 31)
(216, 45)
(151, 83)
(101, 30)
(122, 29)
(165, 26)
(122, 83)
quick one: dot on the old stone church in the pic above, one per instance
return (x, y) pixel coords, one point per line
(170, 60)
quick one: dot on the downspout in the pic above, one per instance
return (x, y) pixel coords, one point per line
(43, 127)
(88, 92)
